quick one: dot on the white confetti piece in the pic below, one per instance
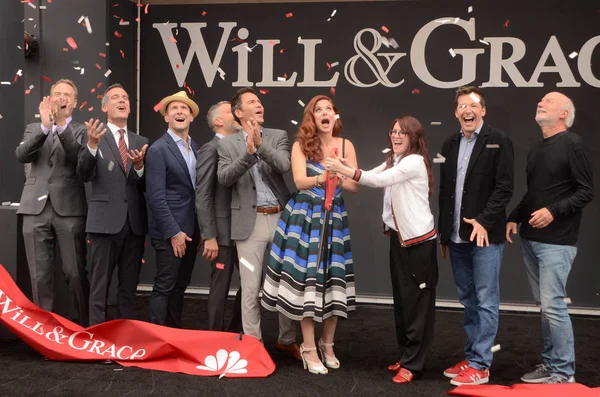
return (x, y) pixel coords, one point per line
(334, 64)
(32, 5)
(294, 122)
(386, 150)
(422, 285)
(88, 25)
(222, 77)
(107, 44)
(118, 369)
(492, 146)
(19, 47)
(81, 18)
(100, 153)
(280, 78)
(244, 262)
(108, 72)
(333, 13)
(249, 49)
(301, 103)
(451, 51)
(37, 115)
(299, 39)
(126, 23)
(495, 348)
(5, 82)
(328, 19)
(394, 44)
(42, 7)
(111, 165)
(221, 71)
(22, 142)
(470, 9)
(82, 71)
(442, 20)
(337, 117)
(31, 87)
(573, 55)
(439, 156)
(474, 97)
(484, 42)
(42, 197)
(0, 117)
(436, 123)
(456, 20)
(438, 161)
(567, 300)
(385, 41)
(15, 204)
(6, 203)
(20, 72)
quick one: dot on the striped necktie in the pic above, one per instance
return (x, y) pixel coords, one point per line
(123, 150)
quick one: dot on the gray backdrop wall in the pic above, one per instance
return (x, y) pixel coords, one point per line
(517, 49)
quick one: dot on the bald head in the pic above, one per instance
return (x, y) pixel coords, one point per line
(555, 111)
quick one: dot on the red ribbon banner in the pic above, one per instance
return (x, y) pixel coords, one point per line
(132, 343)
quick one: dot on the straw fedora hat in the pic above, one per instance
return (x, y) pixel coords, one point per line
(181, 96)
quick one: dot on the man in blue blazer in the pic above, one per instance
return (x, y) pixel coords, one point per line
(170, 184)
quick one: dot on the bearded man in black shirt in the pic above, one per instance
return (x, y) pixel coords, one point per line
(559, 185)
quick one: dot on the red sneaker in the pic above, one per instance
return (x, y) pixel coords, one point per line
(394, 367)
(456, 369)
(403, 376)
(471, 376)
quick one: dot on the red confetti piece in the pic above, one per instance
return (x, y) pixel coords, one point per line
(116, 16)
(145, 243)
(49, 1)
(285, 76)
(385, 29)
(137, 19)
(289, 15)
(99, 67)
(264, 92)
(48, 79)
(328, 66)
(65, 49)
(220, 266)
(506, 23)
(122, 53)
(203, 13)
(177, 66)
(282, 50)
(103, 55)
(116, 5)
(143, 261)
(146, 8)
(416, 91)
(332, 90)
(90, 108)
(173, 39)
(93, 90)
(188, 87)
(99, 84)
(119, 35)
(100, 96)
(15, 79)
(121, 21)
(71, 42)
(157, 107)
(88, 241)
(83, 24)
(139, 5)
(82, 105)
(27, 91)
(272, 42)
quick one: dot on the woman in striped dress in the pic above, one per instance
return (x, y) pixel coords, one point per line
(294, 282)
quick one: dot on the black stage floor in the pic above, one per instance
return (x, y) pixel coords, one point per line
(365, 345)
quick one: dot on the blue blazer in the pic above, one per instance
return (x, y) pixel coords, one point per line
(169, 190)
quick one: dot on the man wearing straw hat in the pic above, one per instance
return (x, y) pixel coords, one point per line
(170, 192)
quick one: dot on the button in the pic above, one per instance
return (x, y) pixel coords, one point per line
(50, 164)
(49, 180)
(253, 206)
(253, 187)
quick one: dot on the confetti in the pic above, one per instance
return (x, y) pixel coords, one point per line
(289, 15)
(386, 150)
(82, 105)
(282, 50)
(48, 79)
(416, 91)
(506, 23)
(495, 348)
(437, 161)
(5, 82)
(203, 13)
(146, 8)
(99, 84)
(37, 116)
(90, 108)
(328, 66)
(573, 55)
(42, 7)
(108, 72)
(294, 122)
(301, 103)
(118, 369)
(93, 90)
(123, 23)
(1, 119)
(484, 42)
(332, 91)
(220, 266)
(436, 123)
(442, 20)
(82, 71)
(157, 107)
(394, 44)
(71, 42)
(32, 5)
(451, 51)
(122, 53)
(333, 13)
(474, 97)
(470, 9)
(385, 29)
(567, 300)
(99, 67)
(280, 78)
(422, 286)
(81, 18)
(385, 41)
(19, 72)
(172, 39)
(103, 55)
(88, 26)
(492, 146)
(111, 165)
(137, 19)
(42, 197)
(118, 35)
(456, 20)
(337, 117)
(333, 65)
(107, 44)
(264, 92)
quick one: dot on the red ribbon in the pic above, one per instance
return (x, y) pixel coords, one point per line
(330, 185)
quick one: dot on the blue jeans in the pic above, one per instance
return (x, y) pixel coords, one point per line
(548, 267)
(477, 276)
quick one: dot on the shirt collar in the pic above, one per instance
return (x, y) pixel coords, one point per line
(177, 138)
(114, 129)
(220, 136)
(246, 134)
(477, 131)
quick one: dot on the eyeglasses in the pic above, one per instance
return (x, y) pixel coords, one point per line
(399, 133)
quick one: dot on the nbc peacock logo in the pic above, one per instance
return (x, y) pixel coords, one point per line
(228, 363)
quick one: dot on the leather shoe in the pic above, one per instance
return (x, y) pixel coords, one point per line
(395, 367)
(292, 349)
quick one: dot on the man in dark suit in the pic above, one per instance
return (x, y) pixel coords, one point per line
(53, 202)
(117, 222)
(213, 206)
(252, 162)
(476, 184)
(170, 184)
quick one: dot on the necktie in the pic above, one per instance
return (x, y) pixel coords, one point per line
(123, 150)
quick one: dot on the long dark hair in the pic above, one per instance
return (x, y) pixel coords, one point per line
(417, 144)
(307, 136)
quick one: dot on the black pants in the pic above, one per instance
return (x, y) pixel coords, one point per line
(172, 277)
(124, 250)
(220, 280)
(414, 307)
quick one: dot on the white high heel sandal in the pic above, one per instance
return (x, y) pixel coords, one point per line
(314, 367)
(330, 362)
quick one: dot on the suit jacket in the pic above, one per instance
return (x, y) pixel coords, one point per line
(115, 193)
(52, 173)
(169, 190)
(488, 185)
(234, 164)
(213, 200)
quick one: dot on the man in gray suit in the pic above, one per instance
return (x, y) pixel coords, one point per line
(252, 162)
(53, 202)
(117, 221)
(213, 202)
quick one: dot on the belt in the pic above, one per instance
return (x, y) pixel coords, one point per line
(269, 210)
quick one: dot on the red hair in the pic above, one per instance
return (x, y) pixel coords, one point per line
(417, 144)
(307, 137)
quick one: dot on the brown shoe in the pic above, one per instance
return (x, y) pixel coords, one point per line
(293, 349)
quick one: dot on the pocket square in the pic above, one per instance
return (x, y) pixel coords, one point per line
(492, 146)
